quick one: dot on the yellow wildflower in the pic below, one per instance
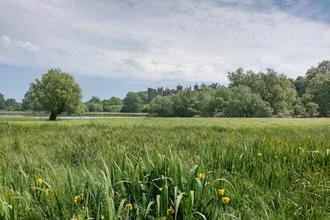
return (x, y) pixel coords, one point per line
(76, 198)
(225, 199)
(220, 156)
(279, 140)
(102, 217)
(164, 218)
(168, 170)
(82, 207)
(170, 211)
(299, 148)
(127, 179)
(160, 189)
(39, 182)
(221, 191)
(259, 154)
(316, 151)
(201, 176)
(213, 197)
(129, 206)
(275, 157)
(79, 216)
(48, 191)
(285, 158)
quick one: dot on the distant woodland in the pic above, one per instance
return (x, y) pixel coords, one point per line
(249, 94)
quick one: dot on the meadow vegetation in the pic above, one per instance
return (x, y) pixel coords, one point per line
(165, 168)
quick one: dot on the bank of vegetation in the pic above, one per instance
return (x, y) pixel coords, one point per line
(164, 168)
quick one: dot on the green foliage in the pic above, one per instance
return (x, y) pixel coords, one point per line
(312, 109)
(299, 85)
(57, 92)
(321, 68)
(115, 101)
(132, 103)
(273, 88)
(95, 100)
(2, 101)
(184, 104)
(143, 96)
(94, 107)
(180, 168)
(26, 102)
(161, 106)
(318, 91)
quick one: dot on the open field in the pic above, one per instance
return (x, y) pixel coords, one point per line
(152, 168)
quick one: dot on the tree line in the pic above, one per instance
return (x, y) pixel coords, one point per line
(248, 94)
(251, 94)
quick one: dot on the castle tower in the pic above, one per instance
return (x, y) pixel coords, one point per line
(179, 88)
(196, 87)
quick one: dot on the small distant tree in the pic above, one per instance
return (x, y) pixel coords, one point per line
(94, 107)
(2, 101)
(132, 103)
(115, 101)
(57, 92)
(26, 102)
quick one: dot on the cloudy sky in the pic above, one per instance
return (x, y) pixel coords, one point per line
(112, 47)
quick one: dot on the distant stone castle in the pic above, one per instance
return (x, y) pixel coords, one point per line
(153, 93)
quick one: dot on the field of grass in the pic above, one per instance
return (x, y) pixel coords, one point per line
(165, 168)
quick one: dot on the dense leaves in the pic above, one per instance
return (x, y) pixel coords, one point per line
(57, 92)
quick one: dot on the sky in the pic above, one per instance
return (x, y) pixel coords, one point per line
(112, 47)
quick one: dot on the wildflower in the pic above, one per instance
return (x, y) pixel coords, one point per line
(201, 176)
(316, 151)
(225, 199)
(127, 179)
(79, 216)
(219, 157)
(48, 191)
(82, 207)
(299, 148)
(279, 140)
(285, 158)
(221, 191)
(102, 217)
(270, 143)
(259, 154)
(164, 218)
(275, 157)
(168, 170)
(213, 197)
(129, 206)
(264, 138)
(77, 198)
(160, 189)
(39, 182)
(309, 136)
(170, 211)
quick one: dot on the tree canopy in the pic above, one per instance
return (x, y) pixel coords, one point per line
(57, 92)
(132, 103)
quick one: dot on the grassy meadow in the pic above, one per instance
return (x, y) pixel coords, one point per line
(165, 168)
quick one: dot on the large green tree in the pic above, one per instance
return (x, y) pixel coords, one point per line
(57, 92)
(132, 103)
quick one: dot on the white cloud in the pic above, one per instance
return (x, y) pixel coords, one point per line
(161, 40)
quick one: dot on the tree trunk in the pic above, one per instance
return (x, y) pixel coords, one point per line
(52, 117)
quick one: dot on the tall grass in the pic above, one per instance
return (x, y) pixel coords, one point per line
(164, 169)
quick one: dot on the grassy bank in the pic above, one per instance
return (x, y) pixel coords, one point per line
(152, 168)
(86, 113)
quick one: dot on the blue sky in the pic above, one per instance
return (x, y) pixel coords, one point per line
(113, 47)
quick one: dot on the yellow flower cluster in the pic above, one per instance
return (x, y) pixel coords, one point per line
(225, 199)
(48, 191)
(316, 151)
(79, 197)
(79, 216)
(160, 189)
(201, 176)
(221, 191)
(39, 182)
(170, 211)
(259, 154)
(129, 206)
(275, 157)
